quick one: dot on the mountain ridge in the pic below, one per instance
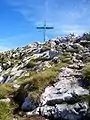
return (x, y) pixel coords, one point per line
(27, 73)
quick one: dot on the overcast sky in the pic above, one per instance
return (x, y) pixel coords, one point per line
(19, 18)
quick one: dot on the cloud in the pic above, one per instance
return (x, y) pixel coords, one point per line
(73, 29)
(41, 9)
(56, 13)
(30, 9)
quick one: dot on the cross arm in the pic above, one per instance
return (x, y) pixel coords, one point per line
(40, 27)
(49, 27)
(45, 28)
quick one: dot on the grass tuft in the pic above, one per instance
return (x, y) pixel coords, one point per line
(5, 111)
(39, 81)
(86, 72)
(5, 90)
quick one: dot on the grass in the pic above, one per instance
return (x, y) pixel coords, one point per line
(65, 57)
(32, 63)
(5, 111)
(81, 98)
(45, 48)
(84, 98)
(86, 72)
(41, 80)
(85, 43)
(5, 90)
(3, 60)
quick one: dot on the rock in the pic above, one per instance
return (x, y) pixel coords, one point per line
(15, 118)
(63, 89)
(79, 57)
(5, 66)
(9, 80)
(16, 73)
(5, 100)
(1, 79)
(75, 66)
(66, 90)
(0, 69)
(35, 45)
(65, 111)
(14, 69)
(53, 44)
(46, 64)
(16, 86)
(62, 99)
(42, 66)
(28, 104)
(16, 55)
(88, 114)
(4, 78)
(50, 54)
(56, 59)
(86, 57)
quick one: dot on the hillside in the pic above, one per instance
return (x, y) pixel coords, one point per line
(49, 80)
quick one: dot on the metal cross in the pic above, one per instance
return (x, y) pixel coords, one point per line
(45, 28)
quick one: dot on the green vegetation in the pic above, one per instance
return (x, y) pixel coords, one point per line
(45, 48)
(81, 98)
(5, 111)
(41, 79)
(85, 43)
(65, 57)
(3, 60)
(84, 98)
(32, 63)
(5, 90)
(86, 72)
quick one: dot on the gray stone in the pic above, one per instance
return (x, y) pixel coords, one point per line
(50, 54)
(28, 104)
(0, 69)
(66, 90)
(65, 111)
(1, 79)
(7, 100)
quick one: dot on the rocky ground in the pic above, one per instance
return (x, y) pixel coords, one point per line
(46, 81)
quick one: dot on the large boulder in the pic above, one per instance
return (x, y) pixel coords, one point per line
(1, 79)
(0, 69)
(64, 111)
(28, 104)
(61, 99)
(50, 54)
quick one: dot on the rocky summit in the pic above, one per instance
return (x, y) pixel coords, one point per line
(49, 80)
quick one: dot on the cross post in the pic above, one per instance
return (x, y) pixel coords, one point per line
(45, 28)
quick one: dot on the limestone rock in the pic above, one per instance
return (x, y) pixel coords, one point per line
(5, 100)
(66, 90)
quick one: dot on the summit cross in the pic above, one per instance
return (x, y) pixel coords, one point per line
(45, 27)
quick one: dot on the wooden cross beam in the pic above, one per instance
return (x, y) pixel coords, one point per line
(45, 28)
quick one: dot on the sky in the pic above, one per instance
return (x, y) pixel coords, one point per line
(19, 19)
